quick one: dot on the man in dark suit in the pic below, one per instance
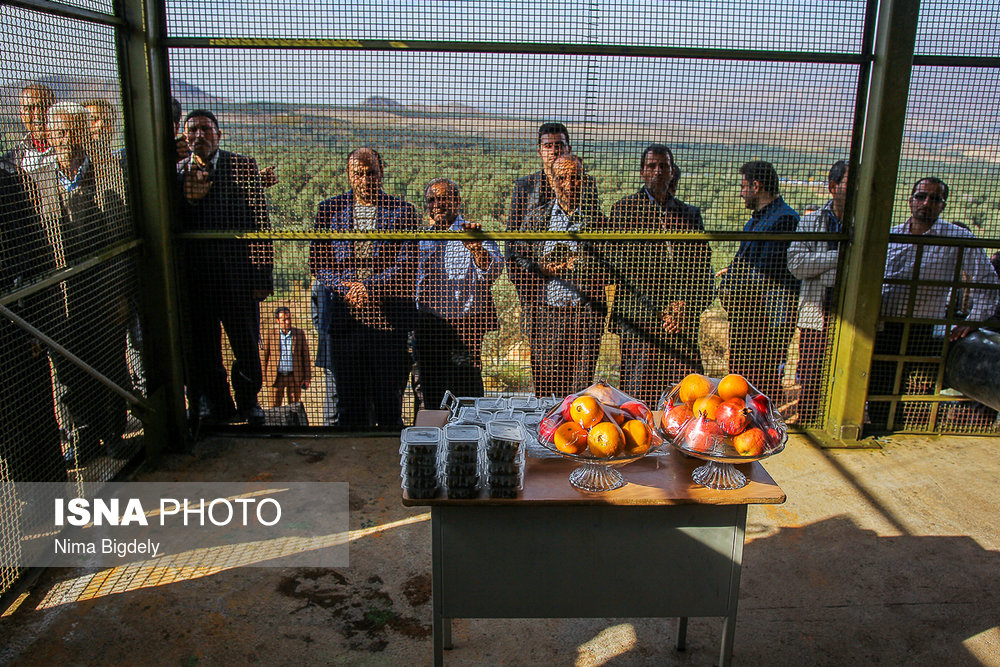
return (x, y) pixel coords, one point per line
(228, 279)
(569, 307)
(370, 288)
(535, 191)
(661, 289)
(78, 226)
(285, 359)
(29, 433)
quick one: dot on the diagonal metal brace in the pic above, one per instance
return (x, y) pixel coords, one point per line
(133, 398)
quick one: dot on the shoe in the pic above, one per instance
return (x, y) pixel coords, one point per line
(85, 450)
(253, 416)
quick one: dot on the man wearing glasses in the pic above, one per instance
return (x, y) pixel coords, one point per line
(928, 199)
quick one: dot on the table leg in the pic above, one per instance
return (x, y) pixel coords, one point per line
(682, 631)
(441, 627)
(446, 634)
(729, 621)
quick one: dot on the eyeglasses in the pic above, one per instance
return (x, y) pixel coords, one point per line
(923, 196)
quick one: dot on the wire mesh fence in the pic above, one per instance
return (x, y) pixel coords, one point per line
(378, 203)
(71, 341)
(943, 284)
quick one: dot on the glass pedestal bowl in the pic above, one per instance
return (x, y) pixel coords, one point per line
(597, 475)
(719, 471)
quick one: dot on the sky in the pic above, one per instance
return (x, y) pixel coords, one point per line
(737, 96)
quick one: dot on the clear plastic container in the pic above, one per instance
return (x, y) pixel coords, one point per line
(419, 453)
(502, 459)
(526, 403)
(491, 403)
(458, 465)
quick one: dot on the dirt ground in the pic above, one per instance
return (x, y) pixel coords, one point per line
(879, 556)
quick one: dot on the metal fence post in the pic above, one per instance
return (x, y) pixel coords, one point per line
(875, 181)
(148, 134)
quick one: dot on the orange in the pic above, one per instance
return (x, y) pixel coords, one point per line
(586, 411)
(733, 386)
(570, 437)
(637, 436)
(693, 387)
(707, 405)
(605, 440)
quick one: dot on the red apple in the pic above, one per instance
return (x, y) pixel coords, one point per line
(732, 416)
(761, 404)
(564, 408)
(674, 420)
(548, 426)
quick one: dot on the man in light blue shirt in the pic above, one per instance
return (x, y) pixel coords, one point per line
(455, 307)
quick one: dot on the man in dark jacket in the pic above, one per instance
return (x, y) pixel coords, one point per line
(228, 279)
(29, 433)
(661, 289)
(758, 291)
(370, 288)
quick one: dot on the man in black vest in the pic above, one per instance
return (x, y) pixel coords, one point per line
(221, 191)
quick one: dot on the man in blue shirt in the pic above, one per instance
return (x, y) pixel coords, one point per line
(455, 307)
(758, 291)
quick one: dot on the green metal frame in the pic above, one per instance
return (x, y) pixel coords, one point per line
(875, 176)
(145, 81)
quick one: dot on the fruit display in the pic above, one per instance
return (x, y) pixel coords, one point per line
(599, 426)
(724, 420)
(600, 422)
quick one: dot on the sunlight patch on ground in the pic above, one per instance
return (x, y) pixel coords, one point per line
(608, 644)
(173, 568)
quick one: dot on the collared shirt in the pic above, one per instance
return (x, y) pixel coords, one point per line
(449, 283)
(285, 362)
(560, 293)
(69, 185)
(938, 262)
(27, 156)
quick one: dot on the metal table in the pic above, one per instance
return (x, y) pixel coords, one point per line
(659, 547)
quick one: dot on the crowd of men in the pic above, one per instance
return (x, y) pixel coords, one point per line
(379, 305)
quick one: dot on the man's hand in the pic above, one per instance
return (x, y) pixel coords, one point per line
(960, 332)
(673, 317)
(479, 254)
(269, 177)
(181, 146)
(558, 268)
(357, 294)
(197, 180)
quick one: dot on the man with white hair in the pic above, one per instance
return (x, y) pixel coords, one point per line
(76, 228)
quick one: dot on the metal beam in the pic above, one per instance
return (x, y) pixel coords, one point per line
(51, 343)
(310, 235)
(66, 11)
(537, 48)
(875, 178)
(148, 134)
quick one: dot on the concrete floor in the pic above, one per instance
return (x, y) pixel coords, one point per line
(879, 556)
